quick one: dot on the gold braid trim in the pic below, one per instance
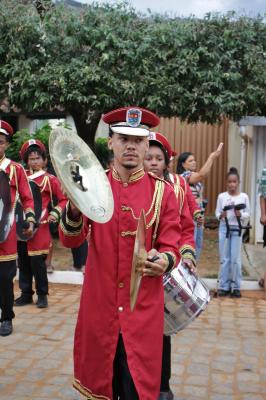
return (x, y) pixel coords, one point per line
(38, 252)
(156, 204)
(186, 247)
(70, 222)
(189, 256)
(11, 173)
(197, 214)
(58, 208)
(67, 232)
(87, 393)
(133, 177)
(188, 252)
(179, 192)
(157, 211)
(9, 257)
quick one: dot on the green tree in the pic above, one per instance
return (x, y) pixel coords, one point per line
(23, 135)
(105, 56)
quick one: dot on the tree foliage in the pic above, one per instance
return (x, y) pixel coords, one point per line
(106, 56)
(23, 135)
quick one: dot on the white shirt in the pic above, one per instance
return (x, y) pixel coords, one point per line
(226, 199)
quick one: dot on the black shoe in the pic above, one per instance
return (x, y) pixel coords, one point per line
(166, 395)
(236, 293)
(42, 301)
(6, 328)
(223, 293)
(23, 300)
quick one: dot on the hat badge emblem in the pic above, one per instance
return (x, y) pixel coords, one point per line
(133, 117)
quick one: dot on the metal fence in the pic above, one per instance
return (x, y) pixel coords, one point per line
(201, 139)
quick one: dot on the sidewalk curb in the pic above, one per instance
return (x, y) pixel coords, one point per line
(76, 278)
(245, 285)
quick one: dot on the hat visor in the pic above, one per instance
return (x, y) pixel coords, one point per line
(4, 132)
(129, 130)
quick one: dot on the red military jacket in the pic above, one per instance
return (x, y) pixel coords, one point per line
(19, 187)
(105, 301)
(180, 181)
(49, 186)
(188, 209)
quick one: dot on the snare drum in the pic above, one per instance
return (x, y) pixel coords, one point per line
(185, 297)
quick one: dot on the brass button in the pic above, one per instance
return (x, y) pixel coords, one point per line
(123, 208)
(120, 309)
(121, 285)
(123, 234)
(125, 184)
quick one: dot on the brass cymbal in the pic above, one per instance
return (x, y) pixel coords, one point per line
(81, 175)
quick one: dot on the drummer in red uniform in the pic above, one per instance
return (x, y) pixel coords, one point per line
(157, 161)
(19, 186)
(118, 352)
(32, 254)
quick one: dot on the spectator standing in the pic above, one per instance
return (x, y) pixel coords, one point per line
(229, 214)
(186, 166)
(262, 194)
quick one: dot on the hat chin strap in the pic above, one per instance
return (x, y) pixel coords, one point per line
(129, 130)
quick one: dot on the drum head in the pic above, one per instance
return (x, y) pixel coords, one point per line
(20, 215)
(81, 175)
(5, 206)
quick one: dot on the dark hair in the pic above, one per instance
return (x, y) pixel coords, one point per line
(166, 156)
(233, 171)
(34, 149)
(181, 159)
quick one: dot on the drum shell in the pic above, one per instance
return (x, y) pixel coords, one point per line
(186, 296)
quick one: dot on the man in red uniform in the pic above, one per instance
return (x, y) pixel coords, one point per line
(118, 352)
(32, 254)
(19, 187)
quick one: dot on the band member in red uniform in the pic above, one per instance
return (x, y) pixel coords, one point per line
(19, 186)
(157, 161)
(118, 352)
(32, 254)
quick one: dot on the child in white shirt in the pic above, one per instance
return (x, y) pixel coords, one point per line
(233, 211)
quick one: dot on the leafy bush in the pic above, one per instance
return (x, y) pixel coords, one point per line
(23, 135)
(102, 152)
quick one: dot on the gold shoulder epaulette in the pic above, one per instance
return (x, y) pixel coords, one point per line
(159, 179)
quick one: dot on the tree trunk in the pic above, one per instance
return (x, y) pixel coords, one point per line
(86, 129)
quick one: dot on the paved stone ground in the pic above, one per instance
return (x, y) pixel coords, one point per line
(220, 356)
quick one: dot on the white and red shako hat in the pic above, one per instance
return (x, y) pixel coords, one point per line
(158, 137)
(134, 121)
(29, 143)
(5, 128)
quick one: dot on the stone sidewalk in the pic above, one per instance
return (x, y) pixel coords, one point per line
(220, 356)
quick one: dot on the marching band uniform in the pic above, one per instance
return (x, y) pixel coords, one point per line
(186, 249)
(19, 187)
(33, 252)
(105, 318)
(180, 181)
